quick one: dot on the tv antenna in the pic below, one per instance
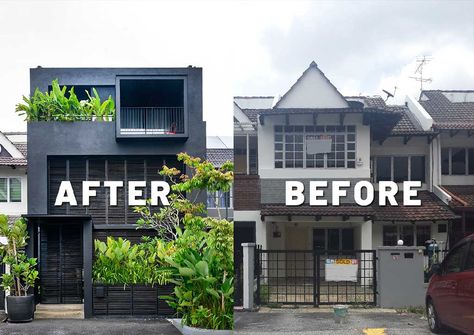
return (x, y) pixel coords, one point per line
(422, 61)
(390, 95)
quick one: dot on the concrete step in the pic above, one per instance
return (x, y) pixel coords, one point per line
(59, 311)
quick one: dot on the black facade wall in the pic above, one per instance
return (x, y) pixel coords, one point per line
(93, 138)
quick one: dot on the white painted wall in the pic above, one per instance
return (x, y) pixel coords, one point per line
(312, 90)
(15, 208)
(266, 140)
(260, 226)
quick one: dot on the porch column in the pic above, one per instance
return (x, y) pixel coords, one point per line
(248, 274)
(366, 235)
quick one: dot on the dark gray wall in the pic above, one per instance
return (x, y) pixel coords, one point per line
(98, 138)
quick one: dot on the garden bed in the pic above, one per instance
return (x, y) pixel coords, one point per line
(131, 300)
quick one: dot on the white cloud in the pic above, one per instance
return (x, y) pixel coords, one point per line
(245, 48)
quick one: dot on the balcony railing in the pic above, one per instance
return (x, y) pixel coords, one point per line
(151, 120)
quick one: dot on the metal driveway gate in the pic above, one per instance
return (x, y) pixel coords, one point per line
(298, 277)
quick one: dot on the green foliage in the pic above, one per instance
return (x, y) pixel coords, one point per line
(202, 259)
(57, 106)
(204, 276)
(23, 273)
(118, 262)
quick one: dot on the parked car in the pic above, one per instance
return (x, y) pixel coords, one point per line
(450, 294)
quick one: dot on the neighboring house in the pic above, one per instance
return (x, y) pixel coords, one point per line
(12, 179)
(368, 140)
(220, 150)
(452, 113)
(158, 114)
(13, 174)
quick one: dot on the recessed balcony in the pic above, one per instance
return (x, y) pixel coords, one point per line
(151, 107)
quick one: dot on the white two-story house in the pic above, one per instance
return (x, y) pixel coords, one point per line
(313, 132)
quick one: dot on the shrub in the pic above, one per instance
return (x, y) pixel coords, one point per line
(118, 262)
(57, 105)
(202, 262)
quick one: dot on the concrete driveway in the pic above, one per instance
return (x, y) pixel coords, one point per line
(320, 321)
(89, 327)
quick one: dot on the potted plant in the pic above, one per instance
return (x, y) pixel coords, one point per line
(22, 274)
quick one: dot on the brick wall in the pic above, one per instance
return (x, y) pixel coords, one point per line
(246, 192)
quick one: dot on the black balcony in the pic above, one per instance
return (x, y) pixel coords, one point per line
(151, 107)
(151, 121)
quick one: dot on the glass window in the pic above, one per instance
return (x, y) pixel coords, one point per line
(3, 190)
(390, 235)
(240, 154)
(417, 168)
(407, 234)
(384, 168)
(400, 169)
(315, 147)
(470, 154)
(347, 239)
(423, 234)
(333, 239)
(470, 258)
(15, 189)
(454, 260)
(211, 200)
(445, 161)
(458, 161)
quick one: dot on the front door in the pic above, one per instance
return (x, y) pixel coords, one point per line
(61, 264)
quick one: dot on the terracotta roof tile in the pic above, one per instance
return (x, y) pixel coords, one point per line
(464, 192)
(447, 114)
(9, 161)
(432, 208)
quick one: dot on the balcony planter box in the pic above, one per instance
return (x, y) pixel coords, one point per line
(131, 300)
(21, 309)
(186, 330)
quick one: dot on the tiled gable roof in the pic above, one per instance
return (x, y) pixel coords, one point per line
(219, 156)
(447, 114)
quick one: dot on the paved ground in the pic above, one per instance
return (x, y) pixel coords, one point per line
(320, 321)
(89, 327)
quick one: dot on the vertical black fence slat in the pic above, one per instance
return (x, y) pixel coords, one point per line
(374, 276)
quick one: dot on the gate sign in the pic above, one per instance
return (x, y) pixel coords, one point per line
(342, 269)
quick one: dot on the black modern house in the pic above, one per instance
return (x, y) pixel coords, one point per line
(158, 114)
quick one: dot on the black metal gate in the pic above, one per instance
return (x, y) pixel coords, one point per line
(61, 264)
(298, 277)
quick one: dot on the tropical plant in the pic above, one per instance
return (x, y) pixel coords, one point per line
(118, 262)
(23, 273)
(202, 260)
(60, 105)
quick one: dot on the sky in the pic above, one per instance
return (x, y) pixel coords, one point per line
(244, 47)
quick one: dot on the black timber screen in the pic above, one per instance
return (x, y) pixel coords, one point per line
(132, 300)
(77, 169)
(61, 264)
(297, 277)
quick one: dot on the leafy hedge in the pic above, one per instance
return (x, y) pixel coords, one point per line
(59, 105)
(118, 262)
